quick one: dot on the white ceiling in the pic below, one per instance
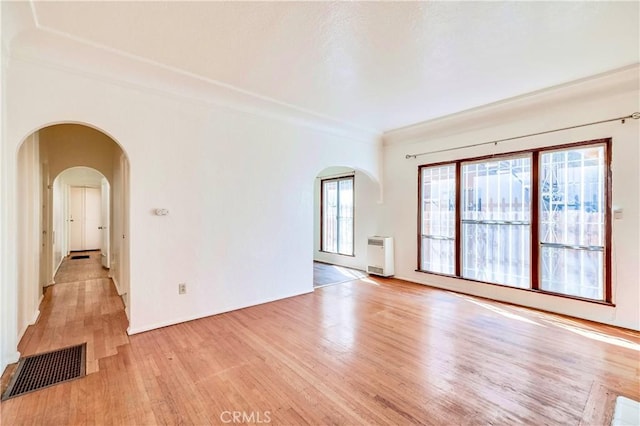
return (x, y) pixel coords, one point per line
(377, 65)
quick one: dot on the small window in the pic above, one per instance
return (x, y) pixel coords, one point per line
(337, 215)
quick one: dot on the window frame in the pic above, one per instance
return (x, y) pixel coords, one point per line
(456, 235)
(497, 158)
(353, 222)
(535, 261)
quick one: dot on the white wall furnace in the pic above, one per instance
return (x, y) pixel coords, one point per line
(380, 256)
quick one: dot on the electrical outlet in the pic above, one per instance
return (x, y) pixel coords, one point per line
(182, 288)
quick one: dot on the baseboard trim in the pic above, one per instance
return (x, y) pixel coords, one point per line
(142, 329)
(120, 293)
(36, 316)
(356, 268)
(34, 319)
(11, 358)
(53, 281)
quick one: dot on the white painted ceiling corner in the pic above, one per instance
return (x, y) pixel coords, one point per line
(620, 80)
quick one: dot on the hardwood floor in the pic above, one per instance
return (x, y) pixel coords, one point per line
(371, 351)
(73, 270)
(326, 274)
(83, 306)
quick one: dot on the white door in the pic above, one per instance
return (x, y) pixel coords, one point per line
(85, 218)
(104, 248)
(76, 219)
(92, 219)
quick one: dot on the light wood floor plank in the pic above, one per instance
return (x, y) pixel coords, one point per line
(372, 351)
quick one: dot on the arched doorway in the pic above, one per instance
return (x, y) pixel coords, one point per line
(345, 214)
(81, 207)
(47, 159)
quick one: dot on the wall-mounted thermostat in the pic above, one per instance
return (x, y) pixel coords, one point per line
(617, 212)
(162, 212)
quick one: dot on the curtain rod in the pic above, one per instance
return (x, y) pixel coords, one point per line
(635, 116)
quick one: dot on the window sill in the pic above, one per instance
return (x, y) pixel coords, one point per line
(531, 290)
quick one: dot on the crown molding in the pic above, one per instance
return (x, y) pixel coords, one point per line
(52, 49)
(616, 81)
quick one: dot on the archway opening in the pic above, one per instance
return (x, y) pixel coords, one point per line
(52, 161)
(345, 215)
(81, 214)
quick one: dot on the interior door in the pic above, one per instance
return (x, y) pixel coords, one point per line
(92, 219)
(85, 219)
(76, 219)
(105, 246)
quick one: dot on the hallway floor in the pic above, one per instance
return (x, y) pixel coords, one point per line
(74, 270)
(366, 351)
(83, 306)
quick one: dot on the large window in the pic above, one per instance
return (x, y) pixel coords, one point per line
(337, 215)
(572, 221)
(537, 220)
(496, 220)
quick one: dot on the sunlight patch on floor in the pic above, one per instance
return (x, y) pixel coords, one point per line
(504, 312)
(566, 324)
(600, 337)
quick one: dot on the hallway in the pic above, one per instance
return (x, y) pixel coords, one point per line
(83, 306)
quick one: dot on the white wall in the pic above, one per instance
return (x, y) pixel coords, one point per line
(239, 185)
(29, 228)
(8, 265)
(119, 262)
(60, 224)
(366, 196)
(610, 96)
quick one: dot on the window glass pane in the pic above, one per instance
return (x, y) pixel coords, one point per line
(496, 214)
(345, 217)
(329, 216)
(497, 253)
(438, 215)
(438, 255)
(572, 221)
(337, 216)
(573, 272)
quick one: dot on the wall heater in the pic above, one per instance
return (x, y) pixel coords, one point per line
(380, 256)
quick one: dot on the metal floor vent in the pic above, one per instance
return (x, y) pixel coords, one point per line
(43, 370)
(80, 257)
